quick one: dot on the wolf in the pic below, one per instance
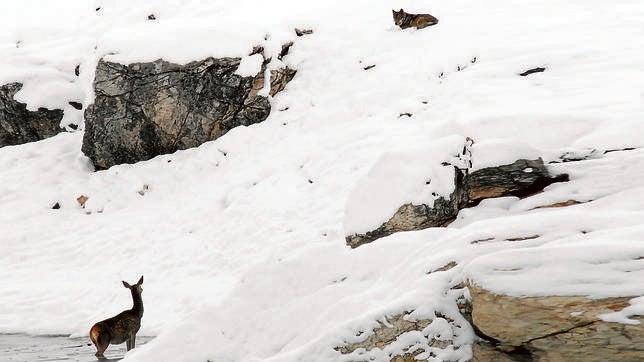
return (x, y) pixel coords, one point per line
(419, 21)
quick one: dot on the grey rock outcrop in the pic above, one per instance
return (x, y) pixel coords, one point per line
(143, 110)
(521, 178)
(553, 328)
(385, 334)
(19, 125)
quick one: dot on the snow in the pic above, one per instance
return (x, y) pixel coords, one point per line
(635, 309)
(414, 176)
(241, 240)
(498, 152)
(250, 66)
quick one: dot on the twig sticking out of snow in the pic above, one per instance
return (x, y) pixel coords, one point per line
(533, 70)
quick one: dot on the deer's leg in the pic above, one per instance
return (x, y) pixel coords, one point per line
(130, 341)
(101, 345)
(133, 340)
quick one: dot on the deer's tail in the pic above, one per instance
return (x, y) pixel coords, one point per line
(94, 333)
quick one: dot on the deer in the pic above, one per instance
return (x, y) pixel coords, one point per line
(122, 327)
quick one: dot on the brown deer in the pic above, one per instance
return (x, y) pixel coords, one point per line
(122, 327)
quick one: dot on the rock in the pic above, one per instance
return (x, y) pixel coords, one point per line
(408, 357)
(82, 199)
(486, 352)
(19, 125)
(76, 105)
(445, 267)
(301, 32)
(143, 110)
(402, 338)
(521, 178)
(386, 333)
(411, 217)
(257, 49)
(279, 79)
(285, 49)
(522, 238)
(554, 328)
(559, 204)
(144, 190)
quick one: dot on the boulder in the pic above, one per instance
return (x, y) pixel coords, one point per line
(553, 328)
(521, 178)
(486, 352)
(19, 125)
(142, 110)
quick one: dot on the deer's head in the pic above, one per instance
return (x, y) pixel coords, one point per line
(136, 287)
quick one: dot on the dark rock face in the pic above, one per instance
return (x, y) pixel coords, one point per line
(521, 178)
(19, 125)
(143, 110)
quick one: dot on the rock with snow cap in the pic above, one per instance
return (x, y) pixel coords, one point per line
(143, 110)
(19, 125)
(520, 178)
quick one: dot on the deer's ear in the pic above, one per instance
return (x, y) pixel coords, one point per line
(140, 281)
(126, 284)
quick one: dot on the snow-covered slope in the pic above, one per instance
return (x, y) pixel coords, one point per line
(241, 240)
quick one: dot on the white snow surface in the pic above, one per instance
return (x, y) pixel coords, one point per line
(414, 176)
(241, 240)
(250, 65)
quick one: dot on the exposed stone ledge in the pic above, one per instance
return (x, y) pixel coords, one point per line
(553, 328)
(521, 178)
